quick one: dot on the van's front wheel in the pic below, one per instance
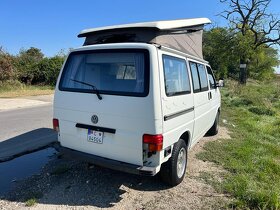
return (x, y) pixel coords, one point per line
(173, 171)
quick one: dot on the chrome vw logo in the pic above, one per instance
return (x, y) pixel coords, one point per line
(94, 119)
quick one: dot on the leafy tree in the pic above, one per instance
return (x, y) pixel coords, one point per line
(27, 64)
(7, 70)
(262, 63)
(256, 27)
(223, 48)
(218, 49)
(49, 69)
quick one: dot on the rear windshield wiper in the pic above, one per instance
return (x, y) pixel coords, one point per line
(90, 85)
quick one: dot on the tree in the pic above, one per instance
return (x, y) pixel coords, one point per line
(6, 67)
(223, 49)
(258, 27)
(262, 63)
(49, 69)
(219, 50)
(27, 64)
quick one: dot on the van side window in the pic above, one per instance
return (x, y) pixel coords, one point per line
(195, 77)
(211, 78)
(202, 77)
(176, 76)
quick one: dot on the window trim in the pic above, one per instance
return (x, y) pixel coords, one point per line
(200, 89)
(206, 74)
(215, 83)
(181, 92)
(194, 90)
(146, 54)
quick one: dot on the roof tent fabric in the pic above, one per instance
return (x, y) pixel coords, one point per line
(185, 36)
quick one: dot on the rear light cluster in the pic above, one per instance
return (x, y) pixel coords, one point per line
(154, 142)
(56, 125)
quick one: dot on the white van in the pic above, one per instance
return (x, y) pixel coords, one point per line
(137, 97)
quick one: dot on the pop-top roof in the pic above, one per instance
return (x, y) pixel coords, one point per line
(160, 25)
(184, 35)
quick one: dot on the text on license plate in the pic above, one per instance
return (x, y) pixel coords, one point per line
(95, 136)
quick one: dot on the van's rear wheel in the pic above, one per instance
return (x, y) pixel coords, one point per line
(173, 171)
(215, 127)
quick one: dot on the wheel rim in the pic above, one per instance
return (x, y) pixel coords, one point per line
(181, 162)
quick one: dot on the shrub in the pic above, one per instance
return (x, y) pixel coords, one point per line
(6, 67)
(241, 102)
(11, 85)
(262, 111)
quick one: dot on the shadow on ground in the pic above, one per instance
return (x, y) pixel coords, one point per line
(26, 143)
(74, 183)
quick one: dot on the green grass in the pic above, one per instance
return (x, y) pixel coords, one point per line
(31, 202)
(32, 198)
(13, 88)
(252, 155)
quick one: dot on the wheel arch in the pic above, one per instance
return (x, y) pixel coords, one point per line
(186, 137)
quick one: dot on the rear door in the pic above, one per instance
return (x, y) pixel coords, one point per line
(111, 127)
(201, 96)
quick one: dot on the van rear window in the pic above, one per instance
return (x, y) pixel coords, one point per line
(113, 72)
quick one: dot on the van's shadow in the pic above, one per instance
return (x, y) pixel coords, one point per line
(74, 183)
(26, 143)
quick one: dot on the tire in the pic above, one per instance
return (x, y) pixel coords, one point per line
(173, 171)
(215, 127)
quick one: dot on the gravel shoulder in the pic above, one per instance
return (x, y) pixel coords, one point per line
(66, 184)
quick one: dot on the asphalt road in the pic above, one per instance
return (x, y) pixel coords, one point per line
(20, 121)
(25, 130)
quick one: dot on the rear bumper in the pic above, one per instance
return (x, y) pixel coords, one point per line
(107, 163)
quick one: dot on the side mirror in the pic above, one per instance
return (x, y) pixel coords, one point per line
(220, 83)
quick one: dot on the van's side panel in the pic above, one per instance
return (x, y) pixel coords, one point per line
(202, 111)
(178, 113)
(215, 101)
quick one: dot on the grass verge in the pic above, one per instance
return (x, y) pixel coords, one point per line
(31, 202)
(32, 198)
(11, 89)
(252, 155)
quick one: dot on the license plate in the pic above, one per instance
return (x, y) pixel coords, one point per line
(95, 136)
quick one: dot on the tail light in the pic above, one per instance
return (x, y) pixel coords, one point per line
(154, 142)
(56, 125)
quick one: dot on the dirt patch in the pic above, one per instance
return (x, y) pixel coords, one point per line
(74, 185)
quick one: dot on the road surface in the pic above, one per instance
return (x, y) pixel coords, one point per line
(25, 129)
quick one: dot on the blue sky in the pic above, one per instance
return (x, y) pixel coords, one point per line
(52, 25)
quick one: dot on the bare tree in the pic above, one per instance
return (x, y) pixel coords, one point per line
(251, 18)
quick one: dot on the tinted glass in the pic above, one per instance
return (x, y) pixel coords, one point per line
(195, 77)
(202, 77)
(121, 73)
(176, 76)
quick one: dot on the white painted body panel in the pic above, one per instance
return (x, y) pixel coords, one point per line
(161, 25)
(134, 116)
(130, 116)
(174, 128)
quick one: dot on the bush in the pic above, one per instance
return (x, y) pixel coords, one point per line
(241, 102)
(48, 70)
(11, 85)
(6, 67)
(262, 111)
(35, 69)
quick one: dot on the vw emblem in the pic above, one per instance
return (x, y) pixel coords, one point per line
(94, 119)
